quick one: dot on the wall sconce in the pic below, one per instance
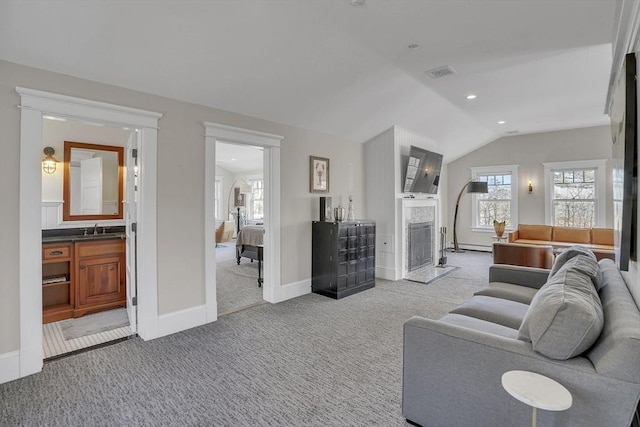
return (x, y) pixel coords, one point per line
(530, 187)
(49, 163)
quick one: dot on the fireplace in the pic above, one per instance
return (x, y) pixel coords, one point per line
(420, 245)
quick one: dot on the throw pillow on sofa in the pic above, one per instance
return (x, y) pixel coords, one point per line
(570, 253)
(565, 317)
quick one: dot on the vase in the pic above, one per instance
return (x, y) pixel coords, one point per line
(499, 227)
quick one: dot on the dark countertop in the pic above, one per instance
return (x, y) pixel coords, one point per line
(77, 234)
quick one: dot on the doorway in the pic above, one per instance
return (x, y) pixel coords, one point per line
(34, 105)
(270, 144)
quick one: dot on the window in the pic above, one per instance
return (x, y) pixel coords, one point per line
(256, 210)
(218, 197)
(575, 193)
(501, 202)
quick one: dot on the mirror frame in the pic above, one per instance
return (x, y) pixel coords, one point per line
(66, 205)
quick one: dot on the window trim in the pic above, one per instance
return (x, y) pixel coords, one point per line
(515, 190)
(600, 165)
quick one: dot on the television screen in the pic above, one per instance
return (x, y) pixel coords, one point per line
(423, 171)
(623, 114)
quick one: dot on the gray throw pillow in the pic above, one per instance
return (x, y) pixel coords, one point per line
(565, 317)
(568, 254)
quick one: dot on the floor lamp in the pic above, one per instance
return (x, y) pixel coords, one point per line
(472, 187)
(244, 188)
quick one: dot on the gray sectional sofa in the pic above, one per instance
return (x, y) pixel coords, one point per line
(577, 324)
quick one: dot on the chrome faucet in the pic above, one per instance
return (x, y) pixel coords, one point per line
(95, 230)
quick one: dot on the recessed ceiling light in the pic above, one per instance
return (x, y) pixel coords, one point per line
(356, 2)
(413, 46)
(501, 122)
(471, 96)
(233, 159)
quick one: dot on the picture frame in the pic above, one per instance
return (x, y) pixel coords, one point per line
(318, 174)
(238, 198)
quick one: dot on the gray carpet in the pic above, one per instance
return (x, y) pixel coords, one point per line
(94, 323)
(237, 285)
(310, 361)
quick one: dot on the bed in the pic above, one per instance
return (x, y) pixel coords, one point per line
(249, 244)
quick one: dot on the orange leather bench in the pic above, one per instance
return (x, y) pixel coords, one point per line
(599, 240)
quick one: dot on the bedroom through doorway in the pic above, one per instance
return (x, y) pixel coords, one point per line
(239, 225)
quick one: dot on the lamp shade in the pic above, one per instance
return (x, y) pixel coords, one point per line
(477, 187)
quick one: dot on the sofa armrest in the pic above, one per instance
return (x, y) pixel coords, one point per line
(513, 236)
(523, 276)
(445, 363)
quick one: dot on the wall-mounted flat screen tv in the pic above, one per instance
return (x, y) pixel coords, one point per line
(423, 171)
(624, 132)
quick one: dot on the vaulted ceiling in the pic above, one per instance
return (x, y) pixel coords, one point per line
(339, 68)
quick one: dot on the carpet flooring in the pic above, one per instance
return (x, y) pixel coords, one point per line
(309, 361)
(236, 285)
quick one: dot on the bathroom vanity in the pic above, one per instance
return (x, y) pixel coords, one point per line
(82, 273)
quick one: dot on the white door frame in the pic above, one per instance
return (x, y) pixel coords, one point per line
(271, 161)
(35, 104)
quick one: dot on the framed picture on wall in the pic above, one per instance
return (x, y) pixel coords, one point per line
(238, 198)
(318, 174)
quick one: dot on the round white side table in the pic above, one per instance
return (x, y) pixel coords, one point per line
(537, 391)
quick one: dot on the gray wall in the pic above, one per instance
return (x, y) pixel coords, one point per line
(180, 187)
(529, 152)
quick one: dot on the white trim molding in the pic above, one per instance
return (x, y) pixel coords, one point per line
(181, 320)
(214, 132)
(9, 366)
(35, 104)
(600, 165)
(515, 190)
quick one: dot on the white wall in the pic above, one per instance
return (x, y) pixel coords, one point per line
(529, 152)
(180, 187)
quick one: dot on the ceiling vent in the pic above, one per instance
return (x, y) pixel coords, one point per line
(439, 72)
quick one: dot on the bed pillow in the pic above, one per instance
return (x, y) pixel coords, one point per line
(565, 317)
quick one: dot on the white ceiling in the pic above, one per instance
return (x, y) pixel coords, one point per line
(239, 158)
(335, 68)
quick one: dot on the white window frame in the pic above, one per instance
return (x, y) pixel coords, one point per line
(250, 178)
(515, 189)
(600, 165)
(218, 197)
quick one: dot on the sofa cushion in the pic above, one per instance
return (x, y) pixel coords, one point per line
(572, 252)
(534, 232)
(602, 236)
(479, 325)
(617, 351)
(565, 317)
(496, 310)
(509, 291)
(573, 235)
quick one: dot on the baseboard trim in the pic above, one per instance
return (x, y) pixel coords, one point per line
(9, 366)
(182, 320)
(294, 290)
(386, 273)
(480, 248)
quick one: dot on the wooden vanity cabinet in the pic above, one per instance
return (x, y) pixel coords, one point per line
(100, 276)
(58, 290)
(82, 277)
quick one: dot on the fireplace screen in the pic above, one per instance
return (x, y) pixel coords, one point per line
(420, 250)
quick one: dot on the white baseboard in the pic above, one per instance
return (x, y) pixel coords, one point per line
(294, 290)
(182, 320)
(386, 273)
(481, 248)
(9, 366)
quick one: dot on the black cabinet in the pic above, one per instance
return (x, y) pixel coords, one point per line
(343, 257)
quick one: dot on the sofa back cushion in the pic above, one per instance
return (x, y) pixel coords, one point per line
(572, 252)
(534, 232)
(565, 317)
(617, 351)
(602, 236)
(573, 235)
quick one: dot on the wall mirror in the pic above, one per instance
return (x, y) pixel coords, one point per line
(93, 182)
